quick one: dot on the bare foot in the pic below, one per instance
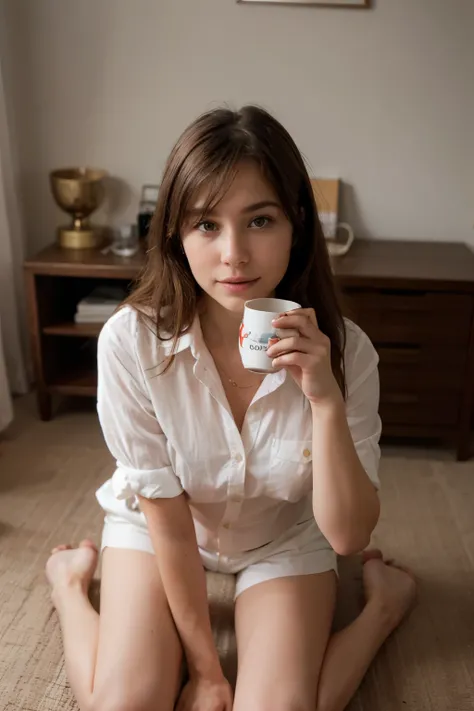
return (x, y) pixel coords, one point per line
(69, 566)
(370, 554)
(390, 587)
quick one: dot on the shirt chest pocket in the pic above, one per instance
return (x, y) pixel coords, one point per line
(291, 469)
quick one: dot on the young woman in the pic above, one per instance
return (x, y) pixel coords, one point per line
(218, 468)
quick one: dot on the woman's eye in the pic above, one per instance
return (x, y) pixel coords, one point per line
(260, 222)
(206, 226)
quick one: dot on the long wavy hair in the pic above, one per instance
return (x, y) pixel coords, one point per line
(207, 155)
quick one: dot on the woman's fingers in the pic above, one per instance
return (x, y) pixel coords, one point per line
(304, 319)
(296, 344)
(302, 360)
(299, 323)
(286, 345)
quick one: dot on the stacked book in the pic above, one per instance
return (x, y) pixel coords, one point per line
(99, 305)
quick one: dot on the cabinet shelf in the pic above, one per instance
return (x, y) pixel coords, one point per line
(69, 328)
(80, 382)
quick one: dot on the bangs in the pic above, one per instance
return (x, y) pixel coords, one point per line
(206, 178)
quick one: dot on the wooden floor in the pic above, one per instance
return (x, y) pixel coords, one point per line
(48, 474)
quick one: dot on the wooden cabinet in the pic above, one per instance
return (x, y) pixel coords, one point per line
(416, 303)
(415, 300)
(65, 353)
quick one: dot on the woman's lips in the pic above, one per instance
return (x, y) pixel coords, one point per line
(236, 287)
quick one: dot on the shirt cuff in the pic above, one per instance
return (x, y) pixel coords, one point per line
(151, 484)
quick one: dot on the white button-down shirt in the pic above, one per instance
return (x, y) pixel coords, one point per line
(175, 432)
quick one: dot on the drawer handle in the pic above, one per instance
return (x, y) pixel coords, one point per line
(400, 398)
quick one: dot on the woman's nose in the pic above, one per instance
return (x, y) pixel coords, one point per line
(235, 249)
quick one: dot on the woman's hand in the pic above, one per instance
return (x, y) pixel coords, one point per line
(201, 694)
(306, 356)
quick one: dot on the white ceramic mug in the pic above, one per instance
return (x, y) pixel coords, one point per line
(256, 330)
(338, 249)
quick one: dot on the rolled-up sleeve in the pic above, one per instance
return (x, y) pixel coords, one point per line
(362, 403)
(127, 418)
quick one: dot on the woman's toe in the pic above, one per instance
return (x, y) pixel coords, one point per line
(371, 554)
(62, 547)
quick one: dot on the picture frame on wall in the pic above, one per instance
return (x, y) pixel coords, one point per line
(356, 4)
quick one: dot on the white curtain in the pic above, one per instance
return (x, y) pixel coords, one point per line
(13, 377)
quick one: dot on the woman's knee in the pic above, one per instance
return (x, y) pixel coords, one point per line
(279, 702)
(129, 697)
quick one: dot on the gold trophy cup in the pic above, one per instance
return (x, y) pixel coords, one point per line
(78, 191)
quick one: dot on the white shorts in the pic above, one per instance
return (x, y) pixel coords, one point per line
(301, 550)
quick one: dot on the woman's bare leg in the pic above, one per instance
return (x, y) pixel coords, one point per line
(69, 572)
(390, 593)
(130, 655)
(282, 628)
(286, 658)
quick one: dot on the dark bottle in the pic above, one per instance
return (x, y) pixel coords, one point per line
(148, 199)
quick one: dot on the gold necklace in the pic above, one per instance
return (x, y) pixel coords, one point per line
(232, 382)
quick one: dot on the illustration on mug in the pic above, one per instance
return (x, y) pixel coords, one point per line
(260, 338)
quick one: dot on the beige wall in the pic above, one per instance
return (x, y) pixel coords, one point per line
(384, 98)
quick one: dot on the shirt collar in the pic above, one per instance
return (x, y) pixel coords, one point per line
(192, 339)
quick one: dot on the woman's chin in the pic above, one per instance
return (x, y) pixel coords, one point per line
(235, 302)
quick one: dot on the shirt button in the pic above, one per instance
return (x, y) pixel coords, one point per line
(237, 458)
(306, 453)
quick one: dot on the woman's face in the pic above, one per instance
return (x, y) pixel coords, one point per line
(241, 249)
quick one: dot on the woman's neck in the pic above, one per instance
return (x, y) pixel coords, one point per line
(220, 327)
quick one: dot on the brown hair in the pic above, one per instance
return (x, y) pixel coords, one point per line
(207, 155)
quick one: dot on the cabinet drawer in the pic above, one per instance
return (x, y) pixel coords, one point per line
(418, 368)
(411, 408)
(411, 317)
